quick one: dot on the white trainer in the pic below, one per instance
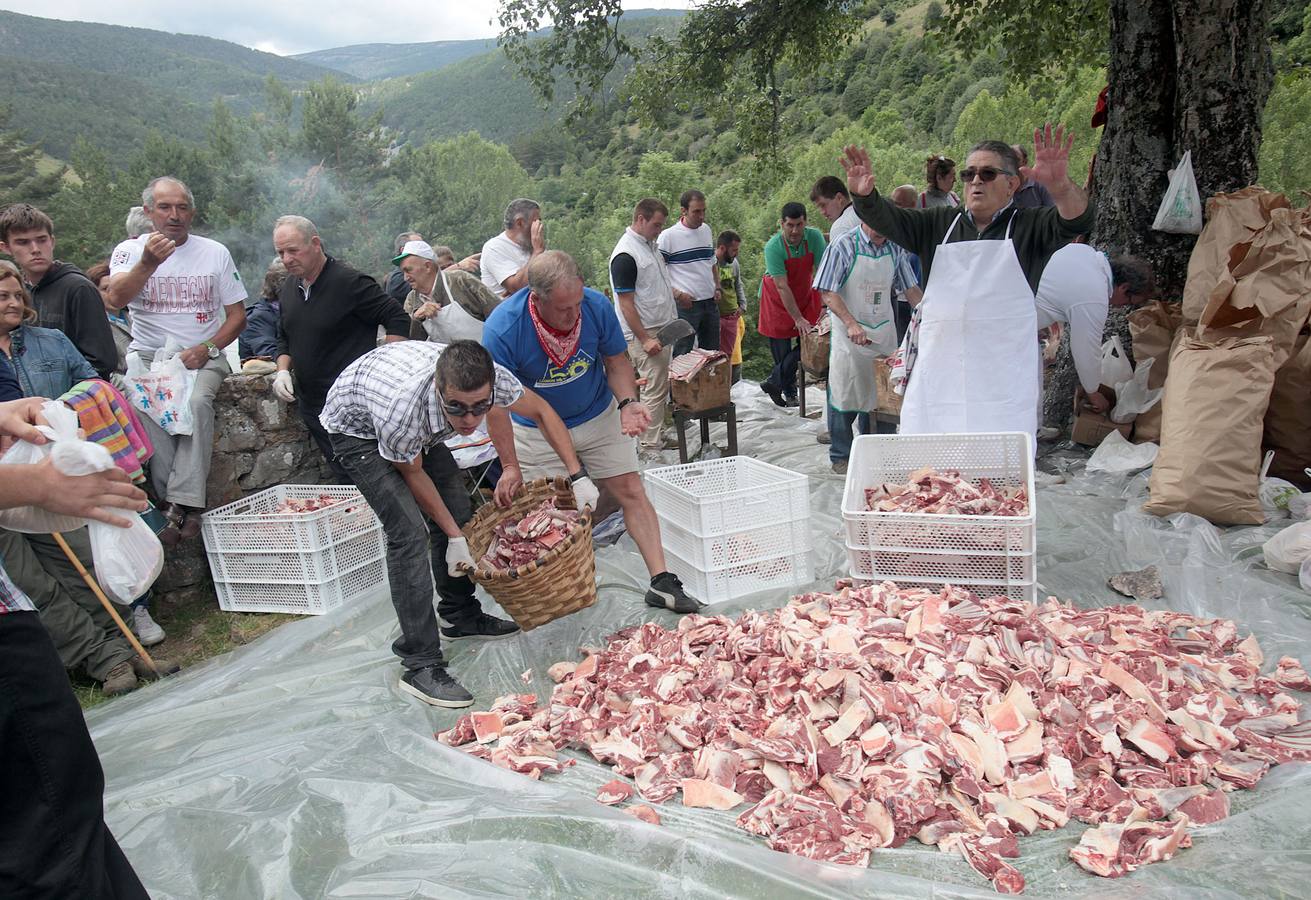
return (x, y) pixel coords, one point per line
(146, 628)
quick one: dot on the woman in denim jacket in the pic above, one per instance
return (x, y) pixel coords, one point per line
(45, 360)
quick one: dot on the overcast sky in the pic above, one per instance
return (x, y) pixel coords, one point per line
(296, 26)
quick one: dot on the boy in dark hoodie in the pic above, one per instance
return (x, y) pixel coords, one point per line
(65, 299)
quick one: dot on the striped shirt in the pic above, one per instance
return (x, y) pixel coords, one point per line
(12, 598)
(841, 255)
(390, 395)
(690, 255)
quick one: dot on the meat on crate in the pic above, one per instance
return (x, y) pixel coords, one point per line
(946, 493)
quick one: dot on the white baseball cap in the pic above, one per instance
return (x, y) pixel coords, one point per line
(415, 248)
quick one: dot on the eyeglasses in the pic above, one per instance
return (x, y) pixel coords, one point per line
(985, 174)
(460, 410)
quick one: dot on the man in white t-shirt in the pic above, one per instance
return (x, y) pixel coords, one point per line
(186, 290)
(830, 195)
(505, 256)
(644, 300)
(689, 250)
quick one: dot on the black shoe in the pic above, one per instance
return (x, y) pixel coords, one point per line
(775, 394)
(435, 686)
(667, 593)
(791, 401)
(479, 626)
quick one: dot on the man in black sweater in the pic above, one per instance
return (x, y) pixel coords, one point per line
(330, 317)
(65, 299)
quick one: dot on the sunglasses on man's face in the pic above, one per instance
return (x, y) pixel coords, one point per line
(460, 410)
(985, 174)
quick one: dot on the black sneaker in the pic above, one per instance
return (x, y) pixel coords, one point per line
(667, 593)
(791, 401)
(435, 686)
(479, 626)
(775, 394)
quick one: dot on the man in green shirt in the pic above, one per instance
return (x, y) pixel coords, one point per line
(789, 305)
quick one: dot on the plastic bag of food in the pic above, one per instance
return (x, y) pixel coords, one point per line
(1289, 549)
(1133, 397)
(162, 392)
(1116, 367)
(1180, 211)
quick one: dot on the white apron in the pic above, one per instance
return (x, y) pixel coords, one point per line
(867, 293)
(452, 323)
(978, 366)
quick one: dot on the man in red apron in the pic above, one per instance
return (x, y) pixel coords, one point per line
(977, 365)
(789, 305)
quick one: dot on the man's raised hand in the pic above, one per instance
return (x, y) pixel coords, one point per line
(1051, 156)
(158, 248)
(860, 171)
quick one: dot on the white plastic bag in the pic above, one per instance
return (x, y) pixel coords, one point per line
(127, 560)
(1116, 367)
(1180, 211)
(1279, 498)
(1289, 549)
(1133, 397)
(1115, 454)
(162, 393)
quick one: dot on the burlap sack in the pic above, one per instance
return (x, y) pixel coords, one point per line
(1264, 286)
(1230, 219)
(1288, 421)
(1152, 330)
(1215, 403)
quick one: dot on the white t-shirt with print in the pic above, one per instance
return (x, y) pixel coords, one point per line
(184, 298)
(501, 258)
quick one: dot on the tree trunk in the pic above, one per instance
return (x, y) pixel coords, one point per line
(1184, 75)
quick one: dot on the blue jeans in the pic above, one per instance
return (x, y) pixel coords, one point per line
(704, 319)
(840, 432)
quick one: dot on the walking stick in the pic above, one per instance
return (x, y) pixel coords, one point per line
(105, 602)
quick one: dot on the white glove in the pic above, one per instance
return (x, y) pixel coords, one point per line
(457, 557)
(585, 493)
(282, 388)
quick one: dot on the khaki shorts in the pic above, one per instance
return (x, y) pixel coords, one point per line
(600, 444)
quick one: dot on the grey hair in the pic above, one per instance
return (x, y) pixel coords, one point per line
(148, 195)
(907, 188)
(548, 269)
(1134, 273)
(302, 225)
(404, 238)
(1010, 159)
(442, 250)
(518, 209)
(274, 276)
(138, 223)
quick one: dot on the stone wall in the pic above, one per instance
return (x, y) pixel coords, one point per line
(259, 441)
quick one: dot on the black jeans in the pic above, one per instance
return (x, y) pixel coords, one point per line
(704, 319)
(787, 354)
(54, 842)
(309, 414)
(416, 547)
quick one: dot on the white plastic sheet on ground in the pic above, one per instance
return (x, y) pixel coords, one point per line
(294, 768)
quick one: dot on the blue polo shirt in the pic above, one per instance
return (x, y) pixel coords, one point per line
(577, 391)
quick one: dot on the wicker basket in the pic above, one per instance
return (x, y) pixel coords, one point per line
(560, 582)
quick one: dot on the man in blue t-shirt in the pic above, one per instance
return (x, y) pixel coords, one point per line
(564, 342)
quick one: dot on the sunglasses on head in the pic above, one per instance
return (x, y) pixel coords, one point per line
(985, 174)
(459, 410)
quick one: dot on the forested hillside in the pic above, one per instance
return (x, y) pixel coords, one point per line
(443, 152)
(371, 62)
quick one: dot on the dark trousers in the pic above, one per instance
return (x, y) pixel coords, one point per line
(787, 354)
(54, 842)
(416, 547)
(309, 414)
(704, 319)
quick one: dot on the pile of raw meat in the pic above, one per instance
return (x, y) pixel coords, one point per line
(308, 505)
(852, 721)
(946, 493)
(517, 543)
(685, 367)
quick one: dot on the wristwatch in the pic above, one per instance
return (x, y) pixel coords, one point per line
(627, 400)
(579, 475)
(214, 351)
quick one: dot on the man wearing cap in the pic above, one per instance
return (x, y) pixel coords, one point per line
(329, 318)
(445, 304)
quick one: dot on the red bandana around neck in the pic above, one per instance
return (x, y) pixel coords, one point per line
(560, 346)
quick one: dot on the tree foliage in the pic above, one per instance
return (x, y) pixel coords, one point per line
(21, 175)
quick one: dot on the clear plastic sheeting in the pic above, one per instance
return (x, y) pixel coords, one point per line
(293, 767)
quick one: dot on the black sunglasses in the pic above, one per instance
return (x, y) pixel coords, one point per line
(986, 174)
(459, 410)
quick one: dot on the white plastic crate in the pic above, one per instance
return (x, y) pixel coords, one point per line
(1016, 590)
(253, 524)
(728, 495)
(720, 585)
(303, 599)
(954, 567)
(292, 567)
(727, 550)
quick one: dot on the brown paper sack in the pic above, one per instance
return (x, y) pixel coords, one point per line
(889, 401)
(1288, 422)
(1215, 402)
(1230, 219)
(1265, 287)
(1152, 331)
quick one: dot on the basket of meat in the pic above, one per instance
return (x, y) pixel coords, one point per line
(942, 509)
(535, 558)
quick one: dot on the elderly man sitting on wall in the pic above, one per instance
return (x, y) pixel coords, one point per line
(564, 341)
